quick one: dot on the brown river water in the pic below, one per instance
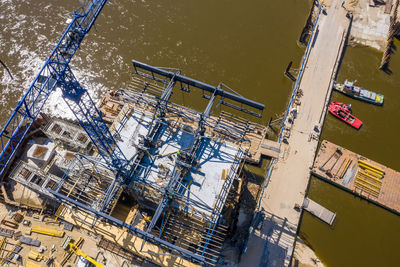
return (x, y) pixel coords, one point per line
(245, 44)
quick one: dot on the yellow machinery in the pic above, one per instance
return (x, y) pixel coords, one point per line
(79, 252)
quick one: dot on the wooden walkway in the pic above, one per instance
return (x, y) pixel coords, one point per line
(319, 211)
(348, 173)
(263, 147)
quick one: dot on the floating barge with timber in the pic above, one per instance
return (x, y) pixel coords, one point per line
(358, 175)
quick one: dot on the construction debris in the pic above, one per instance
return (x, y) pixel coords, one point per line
(18, 217)
(6, 232)
(9, 224)
(29, 241)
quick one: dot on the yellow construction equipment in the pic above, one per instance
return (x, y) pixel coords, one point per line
(69, 253)
(366, 188)
(373, 173)
(79, 252)
(346, 166)
(371, 169)
(47, 231)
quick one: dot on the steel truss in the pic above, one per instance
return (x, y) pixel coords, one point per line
(105, 188)
(186, 160)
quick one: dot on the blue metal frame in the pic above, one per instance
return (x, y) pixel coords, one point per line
(136, 231)
(29, 107)
(195, 83)
(88, 116)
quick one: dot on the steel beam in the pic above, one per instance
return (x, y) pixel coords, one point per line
(195, 83)
(136, 231)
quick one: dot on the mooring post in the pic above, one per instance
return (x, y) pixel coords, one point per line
(287, 72)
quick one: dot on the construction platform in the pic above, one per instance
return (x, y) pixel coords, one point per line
(319, 211)
(359, 175)
(176, 204)
(113, 109)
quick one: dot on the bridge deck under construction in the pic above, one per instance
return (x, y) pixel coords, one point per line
(359, 175)
(289, 175)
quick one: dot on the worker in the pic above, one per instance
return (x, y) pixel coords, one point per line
(293, 111)
(178, 152)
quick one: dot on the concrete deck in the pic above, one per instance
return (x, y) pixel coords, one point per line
(319, 211)
(289, 178)
(216, 158)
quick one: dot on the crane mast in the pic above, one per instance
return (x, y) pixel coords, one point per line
(56, 72)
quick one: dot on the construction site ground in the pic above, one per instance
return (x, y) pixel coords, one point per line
(371, 22)
(89, 246)
(370, 26)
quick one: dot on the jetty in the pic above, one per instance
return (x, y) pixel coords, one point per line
(358, 175)
(319, 211)
(288, 176)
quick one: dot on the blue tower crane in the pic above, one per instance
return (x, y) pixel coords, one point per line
(57, 73)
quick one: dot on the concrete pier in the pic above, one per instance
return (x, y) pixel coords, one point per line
(319, 211)
(273, 245)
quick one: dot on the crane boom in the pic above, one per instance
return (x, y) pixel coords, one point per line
(79, 252)
(50, 75)
(88, 116)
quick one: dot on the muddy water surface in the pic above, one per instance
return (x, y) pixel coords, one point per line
(247, 45)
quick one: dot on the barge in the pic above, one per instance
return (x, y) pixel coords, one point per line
(358, 175)
(348, 88)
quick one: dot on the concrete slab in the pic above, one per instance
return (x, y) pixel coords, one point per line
(203, 184)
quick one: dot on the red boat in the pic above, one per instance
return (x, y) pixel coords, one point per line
(343, 112)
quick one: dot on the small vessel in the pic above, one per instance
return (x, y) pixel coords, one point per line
(343, 112)
(359, 93)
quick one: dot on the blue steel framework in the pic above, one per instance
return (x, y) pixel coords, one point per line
(57, 73)
(187, 159)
